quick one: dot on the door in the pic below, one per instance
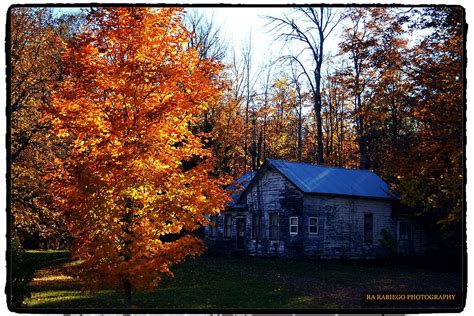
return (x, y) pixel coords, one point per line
(241, 233)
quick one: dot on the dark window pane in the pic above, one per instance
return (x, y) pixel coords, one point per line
(227, 225)
(404, 231)
(255, 226)
(368, 228)
(313, 225)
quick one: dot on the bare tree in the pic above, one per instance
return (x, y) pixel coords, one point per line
(243, 82)
(295, 81)
(267, 83)
(249, 85)
(206, 36)
(311, 28)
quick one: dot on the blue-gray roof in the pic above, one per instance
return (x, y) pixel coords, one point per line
(333, 180)
(238, 186)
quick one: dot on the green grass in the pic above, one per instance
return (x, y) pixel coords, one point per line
(45, 258)
(243, 282)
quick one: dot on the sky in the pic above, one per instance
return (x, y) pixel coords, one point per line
(238, 24)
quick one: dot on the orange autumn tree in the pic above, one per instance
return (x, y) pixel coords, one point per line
(134, 179)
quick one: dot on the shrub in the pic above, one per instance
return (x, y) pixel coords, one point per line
(388, 242)
(21, 274)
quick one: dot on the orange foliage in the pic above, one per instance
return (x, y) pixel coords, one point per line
(35, 47)
(134, 182)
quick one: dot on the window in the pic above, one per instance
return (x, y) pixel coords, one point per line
(213, 226)
(227, 225)
(313, 225)
(255, 226)
(368, 228)
(404, 231)
(273, 226)
(294, 225)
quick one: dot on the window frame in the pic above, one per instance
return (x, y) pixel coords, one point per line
(309, 225)
(256, 226)
(227, 226)
(270, 226)
(409, 230)
(293, 225)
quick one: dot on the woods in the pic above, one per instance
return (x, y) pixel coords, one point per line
(128, 123)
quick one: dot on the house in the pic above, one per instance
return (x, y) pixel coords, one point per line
(295, 209)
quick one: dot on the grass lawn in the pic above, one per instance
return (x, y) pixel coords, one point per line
(245, 282)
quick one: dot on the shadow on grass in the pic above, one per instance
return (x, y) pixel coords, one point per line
(198, 284)
(225, 294)
(228, 282)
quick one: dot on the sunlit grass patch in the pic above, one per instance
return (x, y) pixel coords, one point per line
(74, 299)
(53, 278)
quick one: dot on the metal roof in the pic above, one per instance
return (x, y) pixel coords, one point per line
(238, 186)
(333, 180)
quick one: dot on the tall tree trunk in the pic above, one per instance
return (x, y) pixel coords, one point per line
(246, 150)
(319, 62)
(300, 129)
(394, 123)
(127, 220)
(259, 150)
(247, 59)
(264, 141)
(363, 153)
(324, 21)
(362, 141)
(319, 125)
(341, 137)
(127, 293)
(253, 149)
(300, 140)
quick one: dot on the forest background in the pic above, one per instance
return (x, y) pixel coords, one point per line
(364, 124)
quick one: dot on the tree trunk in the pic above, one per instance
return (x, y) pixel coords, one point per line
(300, 122)
(253, 149)
(259, 150)
(319, 62)
(362, 140)
(394, 123)
(363, 153)
(264, 141)
(341, 137)
(319, 127)
(127, 298)
(300, 140)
